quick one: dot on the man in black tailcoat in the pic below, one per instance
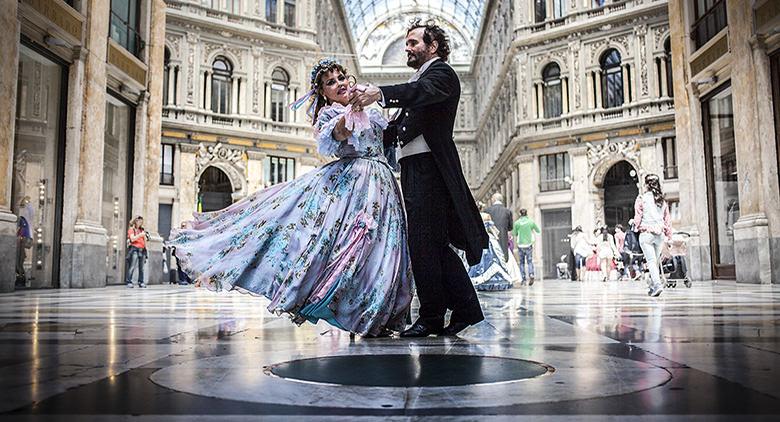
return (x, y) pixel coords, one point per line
(439, 205)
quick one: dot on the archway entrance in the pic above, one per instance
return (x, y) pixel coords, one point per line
(620, 192)
(215, 190)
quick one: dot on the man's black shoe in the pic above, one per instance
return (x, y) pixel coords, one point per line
(420, 330)
(454, 328)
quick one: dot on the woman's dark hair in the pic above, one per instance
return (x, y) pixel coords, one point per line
(653, 184)
(620, 226)
(432, 33)
(604, 233)
(319, 99)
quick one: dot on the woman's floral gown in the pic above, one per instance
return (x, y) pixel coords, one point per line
(329, 245)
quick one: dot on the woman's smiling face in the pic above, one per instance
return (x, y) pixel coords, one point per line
(335, 86)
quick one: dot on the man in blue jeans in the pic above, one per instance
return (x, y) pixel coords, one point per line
(523, 231)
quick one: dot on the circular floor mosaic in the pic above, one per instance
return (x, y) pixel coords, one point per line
(426, 370)
(396, 375)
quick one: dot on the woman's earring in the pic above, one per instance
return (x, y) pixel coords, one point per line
(352, 80)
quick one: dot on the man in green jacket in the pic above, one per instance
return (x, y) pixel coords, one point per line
(523, 232)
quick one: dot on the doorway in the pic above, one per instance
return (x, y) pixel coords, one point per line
(215, 190)
(38, 167)
(556, 226)
(620, 192)
(722, 178)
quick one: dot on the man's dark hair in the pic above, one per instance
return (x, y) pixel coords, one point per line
(523, 212)
(432, 33)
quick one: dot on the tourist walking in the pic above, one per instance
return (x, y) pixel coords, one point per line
(523, 231)
(502, 219)
(582, 249)
(607, 251)
(136, 252)
(653, 221)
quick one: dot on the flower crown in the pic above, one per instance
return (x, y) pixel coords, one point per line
(320, 67)
(316, 71)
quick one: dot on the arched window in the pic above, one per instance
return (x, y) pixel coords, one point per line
(289, 12)
(553, 105)
(599, 3)
(668, 55)
(395, 54)
(166, 75)
(279, 84)
(540, 10)
(220, 85)
(611, 79)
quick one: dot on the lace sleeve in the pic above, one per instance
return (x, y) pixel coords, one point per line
(327, 120)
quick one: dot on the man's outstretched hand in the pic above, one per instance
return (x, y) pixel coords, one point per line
(365, 97)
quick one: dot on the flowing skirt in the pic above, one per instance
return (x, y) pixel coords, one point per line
(330, 245)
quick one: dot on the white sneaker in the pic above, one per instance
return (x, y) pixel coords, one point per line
(656, 291)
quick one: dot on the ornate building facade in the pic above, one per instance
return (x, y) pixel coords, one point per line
(231, 70)
(727, 117)
(81, 91)
(575, 107)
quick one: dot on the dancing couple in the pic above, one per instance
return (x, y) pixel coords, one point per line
(335, 244)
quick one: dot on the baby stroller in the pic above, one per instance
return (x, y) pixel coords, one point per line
(673, 262)
(563, 268)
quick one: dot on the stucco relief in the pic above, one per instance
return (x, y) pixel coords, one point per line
(603, 156)
(230, 161)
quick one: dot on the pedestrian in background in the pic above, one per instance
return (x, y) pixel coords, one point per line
(653, 221)
(582, 249)
(502, 218)
(523, 231)
(136, 251)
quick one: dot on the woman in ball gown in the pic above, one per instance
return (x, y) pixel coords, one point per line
(494, 272)
(330, 245)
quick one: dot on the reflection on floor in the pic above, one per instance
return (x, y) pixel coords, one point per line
(590, 349)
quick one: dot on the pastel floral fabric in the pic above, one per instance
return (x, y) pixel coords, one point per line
(329, 245)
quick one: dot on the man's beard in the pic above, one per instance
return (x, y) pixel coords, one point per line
(414, 61)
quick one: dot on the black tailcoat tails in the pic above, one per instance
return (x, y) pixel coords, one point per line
(439, 204)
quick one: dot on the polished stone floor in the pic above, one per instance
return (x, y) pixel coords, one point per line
(554, 351)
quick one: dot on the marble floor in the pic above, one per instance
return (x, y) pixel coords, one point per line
(554, 351)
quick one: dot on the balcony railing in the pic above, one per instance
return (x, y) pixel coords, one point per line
(709, 24)
(191, 116)
(125, 35)
(582, 14)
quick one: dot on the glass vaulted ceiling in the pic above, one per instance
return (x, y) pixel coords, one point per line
(365, 15)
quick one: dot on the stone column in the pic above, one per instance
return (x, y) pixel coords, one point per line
(755, 252)
(591, 98)
(234, 95)
(254, 170)
(597, 77)
(9, 66)
(207, 101)
(535, 102)
(151, 194)
(188, 179)
(73, 132)
(267, 101)
(694, 209)
(582, 208)
(626, 84)
(87, 252)
(664, 76)
(565, 95)
(541, 100)
(242, 87)
(171, 90)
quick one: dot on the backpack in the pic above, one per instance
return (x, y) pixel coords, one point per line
(631, 243)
